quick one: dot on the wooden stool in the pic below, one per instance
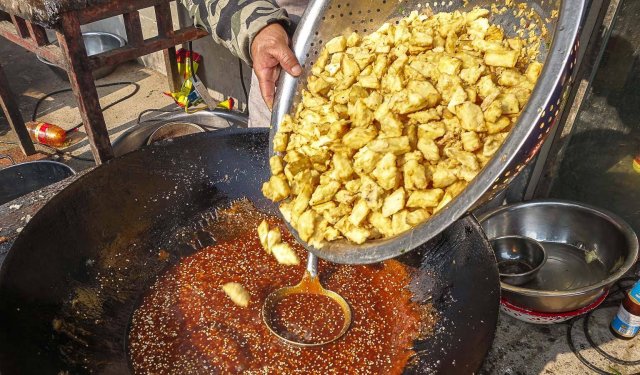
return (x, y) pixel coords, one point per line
(25, 26)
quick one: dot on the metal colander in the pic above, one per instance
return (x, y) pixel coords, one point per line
(325, 19)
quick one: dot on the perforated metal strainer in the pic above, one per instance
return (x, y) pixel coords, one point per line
(325, 19)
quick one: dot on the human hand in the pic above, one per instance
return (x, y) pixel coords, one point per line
(270, 50)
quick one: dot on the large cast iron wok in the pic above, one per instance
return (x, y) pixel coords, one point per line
(73, 277)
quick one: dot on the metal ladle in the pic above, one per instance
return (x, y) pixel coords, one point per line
(310, 284)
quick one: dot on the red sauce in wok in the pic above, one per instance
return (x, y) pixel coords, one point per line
(187, 325)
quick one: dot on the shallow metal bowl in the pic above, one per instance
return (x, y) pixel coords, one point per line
(95, 42)
(588, 249)
(519, 258)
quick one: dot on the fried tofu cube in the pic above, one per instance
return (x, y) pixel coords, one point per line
(372, 193)
(415, 176)
(399, 222)
(344, 196)
(493, 111)
(429, 149)
(510, 78)
(465, 158)
(285, 209)
(369, 81)
(350, 72)
(357, 235)
(263, 232)
(394, 202)
(443, 177)
(445, 200)
(353, 186)
(395, 145)
(470, 141)
(237, 293)
(486, 87)
(533, 71)
(324, 193)
(418, 216)
(386, 172)
(381, 223)
(331, 234)
(337, 44)
(432, 130)
(285, 255)
(280, 142)
(423, 117)
(359, 213)
(425, 198)
(353, 39)
(342, 170)
(510, 104)
(318, 85)
(306, 225)
(374, 100)
(276, 189)
(360, 114)
(471, 117)
(274, 237)
(500, 125)
(275, 164)
(417, 96)
(449, 65)
(365, 160)
(333, 215)
(502, 58)
(492, 143)
(357, 138)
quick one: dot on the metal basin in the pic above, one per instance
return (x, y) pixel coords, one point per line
(588, 249)
(20, 179)
(95, 42)
(519, 258)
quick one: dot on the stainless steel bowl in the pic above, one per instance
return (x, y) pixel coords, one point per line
(588, 249)
(95, 42)
(174, 130)
(519, 258)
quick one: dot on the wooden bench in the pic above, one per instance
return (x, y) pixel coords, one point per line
(24, 23)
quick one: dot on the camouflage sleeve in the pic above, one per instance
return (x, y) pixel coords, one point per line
(234, 23)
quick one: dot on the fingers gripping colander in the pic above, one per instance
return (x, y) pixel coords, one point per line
(325, 19)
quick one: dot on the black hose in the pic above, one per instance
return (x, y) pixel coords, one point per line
(610, 302)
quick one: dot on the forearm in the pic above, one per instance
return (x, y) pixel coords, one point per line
(234, 23)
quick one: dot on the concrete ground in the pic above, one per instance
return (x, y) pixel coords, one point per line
(519, 348)
(30, 80)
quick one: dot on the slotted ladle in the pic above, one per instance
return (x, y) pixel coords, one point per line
(310, 284)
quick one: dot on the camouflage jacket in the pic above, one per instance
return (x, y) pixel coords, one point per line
(234, 23)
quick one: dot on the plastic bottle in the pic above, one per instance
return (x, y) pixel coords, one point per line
(47, 134)
(626, 324)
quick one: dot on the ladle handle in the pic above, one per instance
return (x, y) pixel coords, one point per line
(312, 265)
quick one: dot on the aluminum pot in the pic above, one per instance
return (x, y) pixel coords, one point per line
(324, 19)
(588, 248)
(24, 178)
(95, 42)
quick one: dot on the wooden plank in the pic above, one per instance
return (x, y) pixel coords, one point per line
(84, 88)
(171, 65)
(21, 26)
(133, 28)
(163, 19)
(13, 115)
(38, 34)
(50, 52)
(113, 8)
(150, 45)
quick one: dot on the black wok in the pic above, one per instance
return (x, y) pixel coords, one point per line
(74, 276)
